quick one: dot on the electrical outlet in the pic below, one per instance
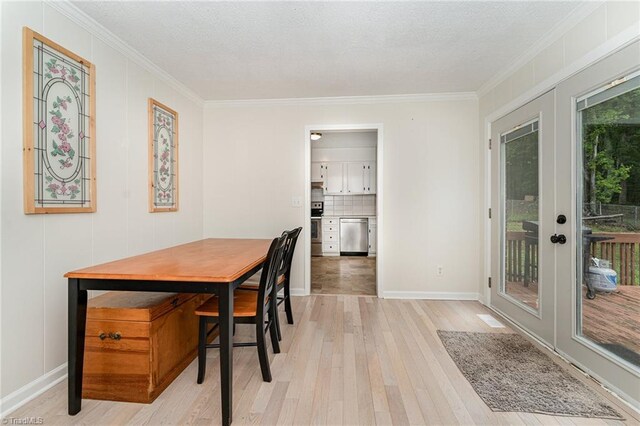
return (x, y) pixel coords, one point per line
(439, 270)
(296, 201)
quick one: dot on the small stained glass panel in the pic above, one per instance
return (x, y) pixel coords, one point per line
(163, 157)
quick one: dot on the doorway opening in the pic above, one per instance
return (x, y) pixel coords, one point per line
(343, 200)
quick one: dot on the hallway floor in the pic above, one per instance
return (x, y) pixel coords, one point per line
(355, 275)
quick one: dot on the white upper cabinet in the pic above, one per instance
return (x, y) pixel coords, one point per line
(348, 178)
(370, 178)
(333, 178)
(317, 170)
(355, 178)
(345, 163)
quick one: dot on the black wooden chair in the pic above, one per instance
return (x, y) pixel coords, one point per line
(283, 279)
(249, 307)
(292, 239)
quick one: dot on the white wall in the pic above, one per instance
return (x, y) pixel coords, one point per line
(38, 249)
(254, 156)
(578, 43)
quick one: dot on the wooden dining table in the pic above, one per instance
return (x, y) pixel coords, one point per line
(215, 266)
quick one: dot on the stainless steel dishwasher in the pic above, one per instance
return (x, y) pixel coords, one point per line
(354, 237)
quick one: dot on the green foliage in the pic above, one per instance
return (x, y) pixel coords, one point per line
(611, 151)
(609, 178)
(521, 167)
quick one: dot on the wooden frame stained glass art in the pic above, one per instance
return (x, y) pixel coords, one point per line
(163, 158)
(59, 160)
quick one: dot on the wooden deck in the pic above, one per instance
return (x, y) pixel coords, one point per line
(609, 319)
(613, 318)
(527, 295)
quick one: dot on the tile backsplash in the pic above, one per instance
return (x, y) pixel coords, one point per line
(338, 205)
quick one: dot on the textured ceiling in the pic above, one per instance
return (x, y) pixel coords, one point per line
(263, 50)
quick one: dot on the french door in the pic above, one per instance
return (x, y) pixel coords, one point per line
(523, 193)
(566, 219)
(598, 186)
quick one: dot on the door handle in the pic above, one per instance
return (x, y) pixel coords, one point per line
(558, 239)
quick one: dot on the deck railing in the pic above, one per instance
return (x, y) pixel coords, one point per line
(623, 251)
(521, 258)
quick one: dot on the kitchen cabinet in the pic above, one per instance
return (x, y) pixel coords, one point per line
(346, 178)
(317, 170)
(330, 236)
(370, 178)
(331, 222)
(360, 177)
(355, 178)
(373, 236)
(334, 178)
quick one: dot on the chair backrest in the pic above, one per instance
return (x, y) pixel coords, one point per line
(270, 272)
(290, 246)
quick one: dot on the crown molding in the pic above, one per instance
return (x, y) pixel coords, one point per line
(346, 100)
(72, 12)
(580, 13)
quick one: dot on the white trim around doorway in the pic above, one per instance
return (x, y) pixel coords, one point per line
(379, 197)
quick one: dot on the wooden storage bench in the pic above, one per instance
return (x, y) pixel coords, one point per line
(138, 343)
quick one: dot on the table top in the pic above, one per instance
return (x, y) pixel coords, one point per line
(210, 260)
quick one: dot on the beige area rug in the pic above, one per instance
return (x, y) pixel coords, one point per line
(511, 374)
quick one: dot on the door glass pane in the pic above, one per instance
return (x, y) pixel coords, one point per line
(520, 212)
(609, 219)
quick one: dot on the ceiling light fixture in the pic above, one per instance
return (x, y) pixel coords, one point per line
(315, 136)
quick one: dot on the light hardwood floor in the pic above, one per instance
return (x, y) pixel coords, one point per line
(347, 360)
(355, 275)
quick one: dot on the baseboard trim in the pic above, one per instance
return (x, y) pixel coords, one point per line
(28, 392)
(297, 292)
(433, 295)
(429, 295)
